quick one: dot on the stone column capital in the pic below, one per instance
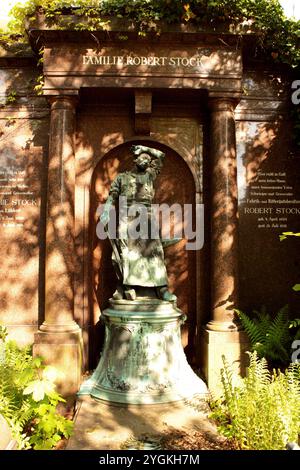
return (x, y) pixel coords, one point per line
(63, 102)
(222, 103)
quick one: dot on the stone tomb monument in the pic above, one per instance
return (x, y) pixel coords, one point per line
(143, 361)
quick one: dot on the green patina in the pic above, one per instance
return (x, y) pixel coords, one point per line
(138, 260)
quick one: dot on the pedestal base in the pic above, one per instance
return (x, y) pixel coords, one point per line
(233, 345)
(143, 361)
(62, 350)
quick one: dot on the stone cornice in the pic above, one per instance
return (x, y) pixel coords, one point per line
(63, 30)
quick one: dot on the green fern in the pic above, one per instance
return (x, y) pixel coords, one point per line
(278, 337)
(264, 320)
(263, 412)
(258, 372)
(293, 374)
(270, 337)
(226, 379)
(252, 328)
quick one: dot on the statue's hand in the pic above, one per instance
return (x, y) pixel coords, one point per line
(104, 219)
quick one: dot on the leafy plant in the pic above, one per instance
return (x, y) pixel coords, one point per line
(271, 337)
(261, 412)
(38, 88)
(3, 333)
(11, 97)
(28, 399)
(285, 235)
(276, 37)
(276, 34)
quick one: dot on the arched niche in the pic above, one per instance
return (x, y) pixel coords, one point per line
(175, 184)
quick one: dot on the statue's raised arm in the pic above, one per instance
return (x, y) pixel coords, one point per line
(157, 158)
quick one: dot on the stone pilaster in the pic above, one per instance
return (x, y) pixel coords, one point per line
(224, 228)
(222, 335)
(59, 338)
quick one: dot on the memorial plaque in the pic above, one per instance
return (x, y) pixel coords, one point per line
(272, 200)
(17, 195)
(138, 59)
(20, 226)
(269, 204)
(142, 65)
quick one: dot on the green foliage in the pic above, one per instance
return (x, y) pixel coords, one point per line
(38, 88)
(285, 235)
(262, 411)
(277, 37)
(28, 399)
(11, 97)
(277, 34)
(3, 334)
(271, 337)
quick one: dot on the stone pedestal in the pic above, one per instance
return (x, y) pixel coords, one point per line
(63, 350)
(216, 344)
(143, 361)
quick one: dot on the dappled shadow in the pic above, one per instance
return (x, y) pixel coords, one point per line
(109, 426)
(23, 160)
(142, 362)
(223, 212)
(268, 173)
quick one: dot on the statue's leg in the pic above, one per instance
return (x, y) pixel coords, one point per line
(119, 292)
(165, 294)
(130, 293)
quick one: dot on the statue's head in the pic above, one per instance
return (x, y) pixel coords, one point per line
(144, 156)
(143, 161)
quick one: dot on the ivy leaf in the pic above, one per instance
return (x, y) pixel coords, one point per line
(44, 444)
(188, 15)
(42, 409)
(38, 389)
(67, 428)
(49, 423)
(296, 288)
(284, 235)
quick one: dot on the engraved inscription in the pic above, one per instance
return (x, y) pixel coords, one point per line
(272, 200)
(15, 195)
